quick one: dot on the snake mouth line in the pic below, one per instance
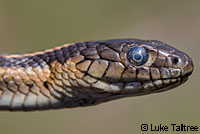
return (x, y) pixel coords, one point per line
(174, 82)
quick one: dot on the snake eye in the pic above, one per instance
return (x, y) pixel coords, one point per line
(137, 55)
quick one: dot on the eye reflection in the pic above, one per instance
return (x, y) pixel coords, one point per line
(137, 55)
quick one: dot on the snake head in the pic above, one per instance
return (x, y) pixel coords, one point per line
(137, 67)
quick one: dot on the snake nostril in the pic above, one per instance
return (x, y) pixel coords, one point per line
(175, 60)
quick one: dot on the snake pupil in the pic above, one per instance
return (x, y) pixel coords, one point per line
(137, 57)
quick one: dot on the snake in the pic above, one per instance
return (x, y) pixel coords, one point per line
(89, 73)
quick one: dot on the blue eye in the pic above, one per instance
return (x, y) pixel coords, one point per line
(137, 55)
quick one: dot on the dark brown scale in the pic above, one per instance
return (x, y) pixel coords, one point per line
(101, 47)
(109, 54)
(46, 57)
(88, 51)
(60, 59)
(75, 53)
(72, 48)
(58, 52)
(51, 56)
(64, 49)
(66, 55)
(3, 61)
(35, 58)
(116, 46)
(24, 65)
(92, 44)
(41, 56)
(59, 56)
(31, 63)
(80, 46)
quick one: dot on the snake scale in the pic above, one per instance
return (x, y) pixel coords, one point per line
(89, 73)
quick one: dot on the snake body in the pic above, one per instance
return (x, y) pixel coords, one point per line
(88, 73)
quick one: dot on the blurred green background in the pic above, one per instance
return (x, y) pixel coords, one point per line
(31, 25)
